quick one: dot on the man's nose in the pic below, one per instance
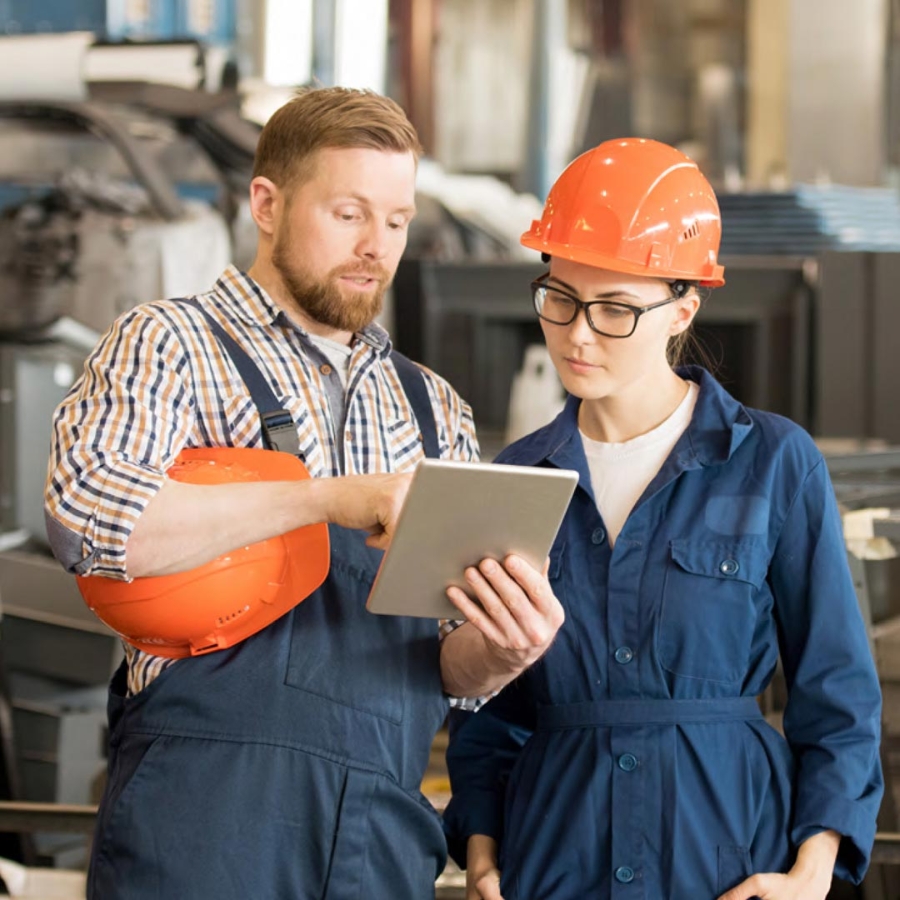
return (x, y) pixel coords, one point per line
(373, 242)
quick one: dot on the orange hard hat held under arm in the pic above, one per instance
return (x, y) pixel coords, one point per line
(634, 206)
(230, 598)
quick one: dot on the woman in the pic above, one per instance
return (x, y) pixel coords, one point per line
(703, 540)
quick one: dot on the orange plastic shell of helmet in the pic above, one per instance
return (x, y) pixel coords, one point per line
(227, 600)
(634, 206)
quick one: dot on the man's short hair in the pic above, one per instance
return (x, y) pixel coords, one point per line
(329, 117)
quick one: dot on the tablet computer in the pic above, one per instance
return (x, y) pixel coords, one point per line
(457, 514)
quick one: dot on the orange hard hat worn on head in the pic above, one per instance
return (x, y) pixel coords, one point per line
(221, 603)
(634, 206)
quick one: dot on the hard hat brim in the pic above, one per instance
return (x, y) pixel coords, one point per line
(715, 279)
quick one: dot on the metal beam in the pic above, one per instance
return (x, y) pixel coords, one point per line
(548, 37)
(324, 35)
(27, 818)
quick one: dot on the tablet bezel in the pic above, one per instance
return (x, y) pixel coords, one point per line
(479, 503)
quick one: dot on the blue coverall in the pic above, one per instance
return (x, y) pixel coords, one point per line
(632, 760)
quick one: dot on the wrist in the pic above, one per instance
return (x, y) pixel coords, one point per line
(503, 665)
(816, 856)
(315, 499)
(481, 849)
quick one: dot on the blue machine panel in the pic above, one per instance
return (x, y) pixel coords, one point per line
(41, 16)
(212, 21)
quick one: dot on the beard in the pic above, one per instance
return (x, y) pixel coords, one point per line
(322, 298)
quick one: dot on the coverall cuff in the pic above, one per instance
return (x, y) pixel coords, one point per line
(468, 813)
(816, 813)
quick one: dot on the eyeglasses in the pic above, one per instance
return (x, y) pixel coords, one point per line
(606, 317)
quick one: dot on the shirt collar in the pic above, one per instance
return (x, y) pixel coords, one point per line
(250, 303)
(718, 427)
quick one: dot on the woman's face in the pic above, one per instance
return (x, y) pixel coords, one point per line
(593, 366)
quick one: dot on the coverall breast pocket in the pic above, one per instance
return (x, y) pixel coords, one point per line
(734, 866)
(708, 614)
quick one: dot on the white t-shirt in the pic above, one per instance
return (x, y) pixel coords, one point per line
(620, 473)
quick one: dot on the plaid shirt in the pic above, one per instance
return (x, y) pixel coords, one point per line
(159, 382)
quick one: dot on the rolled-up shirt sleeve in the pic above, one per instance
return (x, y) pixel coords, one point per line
(114, 436)
(833, 716)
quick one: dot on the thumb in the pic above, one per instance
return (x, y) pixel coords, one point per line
(379, 541)
(752, 887)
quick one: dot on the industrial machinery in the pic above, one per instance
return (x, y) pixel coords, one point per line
(97, 201)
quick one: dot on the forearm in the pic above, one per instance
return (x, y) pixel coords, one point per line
(187, 525)
(816, 857)
(470, 665)
(483, 846)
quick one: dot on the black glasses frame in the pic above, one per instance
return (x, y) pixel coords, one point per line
(636, 311)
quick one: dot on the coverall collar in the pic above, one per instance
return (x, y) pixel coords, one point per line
(718, 427)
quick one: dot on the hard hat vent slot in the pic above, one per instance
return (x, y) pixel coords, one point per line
(692, 232)
(225, 620)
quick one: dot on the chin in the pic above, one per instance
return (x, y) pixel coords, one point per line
(595, 389)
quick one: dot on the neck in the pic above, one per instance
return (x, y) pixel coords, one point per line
(269, 279)
(642, 406)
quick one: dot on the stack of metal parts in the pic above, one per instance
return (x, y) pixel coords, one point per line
(808, 220)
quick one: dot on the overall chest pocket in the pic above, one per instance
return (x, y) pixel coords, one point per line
(343, 654)
(708, 612)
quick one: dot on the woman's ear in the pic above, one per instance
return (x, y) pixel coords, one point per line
(685, 310)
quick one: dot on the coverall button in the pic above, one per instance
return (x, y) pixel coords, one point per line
(628, 762)
(624, 655)
(624, 874)
(599, 536)
(729, 567)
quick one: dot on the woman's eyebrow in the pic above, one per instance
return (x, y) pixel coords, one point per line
(609, 295)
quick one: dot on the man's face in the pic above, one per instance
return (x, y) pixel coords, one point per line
(342, 233)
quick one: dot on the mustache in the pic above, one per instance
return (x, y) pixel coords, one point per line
(362, 270)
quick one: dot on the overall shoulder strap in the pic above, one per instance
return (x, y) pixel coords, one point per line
(413, 380)
(279, 431)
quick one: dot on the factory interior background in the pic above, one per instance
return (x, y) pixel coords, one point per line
(127, 134)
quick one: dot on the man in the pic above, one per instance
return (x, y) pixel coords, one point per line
(287, 766)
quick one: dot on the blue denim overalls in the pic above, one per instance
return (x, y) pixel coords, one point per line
(288, 766)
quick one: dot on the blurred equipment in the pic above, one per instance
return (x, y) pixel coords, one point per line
(810, 219)
(41, 884)
(92, 216)
(42, 66)
(816, 81)
(209, 20)
(536, 396)
(188, 64)
(103, 205)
